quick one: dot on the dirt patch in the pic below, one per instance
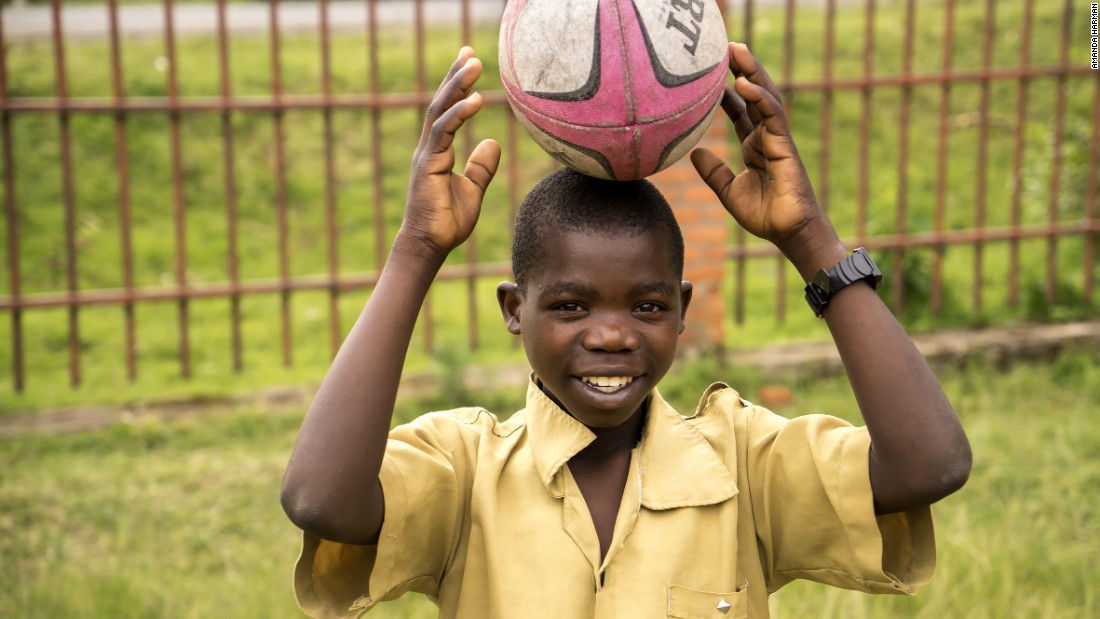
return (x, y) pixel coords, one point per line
(1000, 346)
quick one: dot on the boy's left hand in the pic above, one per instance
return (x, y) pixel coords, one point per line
(919, 451)
(772, 198)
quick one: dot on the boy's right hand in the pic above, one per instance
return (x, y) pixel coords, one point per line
(331, 487)
(442, 207)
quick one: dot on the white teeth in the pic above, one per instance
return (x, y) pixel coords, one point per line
(608, 384)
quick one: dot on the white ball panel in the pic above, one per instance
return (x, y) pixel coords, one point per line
(554, 43)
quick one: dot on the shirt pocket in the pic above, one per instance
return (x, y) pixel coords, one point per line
(685, 603)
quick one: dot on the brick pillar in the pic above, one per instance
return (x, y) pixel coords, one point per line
(705, 224)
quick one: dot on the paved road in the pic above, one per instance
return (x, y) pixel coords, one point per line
(90, 21)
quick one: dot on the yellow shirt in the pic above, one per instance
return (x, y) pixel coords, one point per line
(719, 510)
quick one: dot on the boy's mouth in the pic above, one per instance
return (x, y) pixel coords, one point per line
(607, 384)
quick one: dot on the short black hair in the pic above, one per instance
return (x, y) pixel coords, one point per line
(568, 201)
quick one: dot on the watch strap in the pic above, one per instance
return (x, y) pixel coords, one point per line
(854, 268)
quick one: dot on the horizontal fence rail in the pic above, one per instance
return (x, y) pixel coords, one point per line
(866, 76)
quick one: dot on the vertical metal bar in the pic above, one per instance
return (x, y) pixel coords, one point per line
(942, 167)
(1018, 159)
(68, 196)
(822, 184)
(983, 151)
(866, 97)
(122, 162)
(280, 177)
(1090, 193)
(471, 242)
(179, 205)
(512, 141)
(230, 189)
(332, 230)
(421, 90)
(748, 23)
(418, 36)
(464, 19)
(788, 53)
(1056, 158)
(788, 61)
(11, 217)
(376, 138)
(740, 236)
(903, 157)
(788, 108)
(471, 289)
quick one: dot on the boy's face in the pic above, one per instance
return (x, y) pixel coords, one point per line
(600, 318)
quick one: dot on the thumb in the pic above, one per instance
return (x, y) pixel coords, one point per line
(481, 167)
(714, 172)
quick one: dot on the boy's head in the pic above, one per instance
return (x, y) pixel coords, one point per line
(599, 298)
(568, 201)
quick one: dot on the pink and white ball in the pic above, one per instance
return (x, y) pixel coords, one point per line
(616, 89)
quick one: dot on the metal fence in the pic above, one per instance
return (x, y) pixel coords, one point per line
(1016, 75)
(823, 97)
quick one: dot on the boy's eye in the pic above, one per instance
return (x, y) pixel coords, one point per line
(648, 308)
(569, 307)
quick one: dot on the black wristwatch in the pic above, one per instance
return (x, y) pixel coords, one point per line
(856, 267)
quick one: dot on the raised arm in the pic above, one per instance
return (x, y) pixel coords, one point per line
(331, 484)
(919, 452)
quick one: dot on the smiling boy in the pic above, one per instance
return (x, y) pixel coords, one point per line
(598, 499)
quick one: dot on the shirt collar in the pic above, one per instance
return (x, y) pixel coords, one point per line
(678, 466)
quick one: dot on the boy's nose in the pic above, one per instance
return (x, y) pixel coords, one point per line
(610, 336)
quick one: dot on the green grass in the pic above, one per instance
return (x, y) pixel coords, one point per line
(101, 341)
(181, 519)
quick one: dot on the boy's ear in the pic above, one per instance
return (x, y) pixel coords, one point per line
(508, 297)
(685, 299)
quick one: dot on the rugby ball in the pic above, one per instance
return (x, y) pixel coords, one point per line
(616, 89)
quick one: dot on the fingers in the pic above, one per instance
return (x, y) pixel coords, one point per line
(734, 107)
(770, 111)
(464, 53)
(744, 64)
(761, 99)
(441, 134)
(482, 164)
(714, 172)
(456, 87)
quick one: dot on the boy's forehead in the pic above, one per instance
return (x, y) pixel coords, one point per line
(593, 250)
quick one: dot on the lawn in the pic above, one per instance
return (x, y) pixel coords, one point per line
(181, 519)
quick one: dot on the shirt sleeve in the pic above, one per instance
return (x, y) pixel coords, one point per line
(426, 478)
(811, 494)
